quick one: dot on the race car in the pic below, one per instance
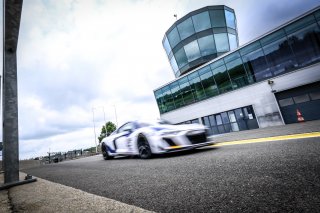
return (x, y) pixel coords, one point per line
(148, 138)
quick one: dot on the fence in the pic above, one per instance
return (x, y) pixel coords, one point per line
(55, 157)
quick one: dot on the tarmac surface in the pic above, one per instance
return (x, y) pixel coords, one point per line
(45, 196)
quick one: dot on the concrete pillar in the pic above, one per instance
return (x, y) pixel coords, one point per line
(11, 23)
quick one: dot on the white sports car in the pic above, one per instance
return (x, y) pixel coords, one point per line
(148, 138)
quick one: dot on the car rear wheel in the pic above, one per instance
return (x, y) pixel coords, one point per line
(144, 148)
(104, 151)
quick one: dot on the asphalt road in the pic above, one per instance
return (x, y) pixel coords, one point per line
(280, 176)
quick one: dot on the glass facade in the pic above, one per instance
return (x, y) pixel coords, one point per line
(192, 40)
(231, 121)
(292, 47)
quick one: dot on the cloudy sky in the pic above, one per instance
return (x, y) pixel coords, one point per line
(80, 60)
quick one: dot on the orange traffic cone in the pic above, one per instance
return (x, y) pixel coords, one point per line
(299, 116)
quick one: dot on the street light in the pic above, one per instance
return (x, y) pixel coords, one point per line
(104, 114)
(115, 113)
(94, 130)
(94, 124)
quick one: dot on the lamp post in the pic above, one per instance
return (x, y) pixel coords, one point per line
(94, 124)
(94, 130)
(115, 114)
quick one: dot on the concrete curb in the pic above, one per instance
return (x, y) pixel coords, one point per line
(46, 196)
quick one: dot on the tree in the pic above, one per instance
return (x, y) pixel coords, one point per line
(106, 130)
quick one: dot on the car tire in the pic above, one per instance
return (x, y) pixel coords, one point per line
(104, 151)
(144, 147)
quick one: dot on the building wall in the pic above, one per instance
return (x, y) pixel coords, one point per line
(259, 95)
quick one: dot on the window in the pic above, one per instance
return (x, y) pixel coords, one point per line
(159, 97)
(305, 44)
(196, 86)
(279, 56)
(221, 40)
(201, 21)
(195, 121)
(272, 37)
(301, 98)
(173, 37)
(166, 45)
(186, 28)
(233, 41)
(207, 45)
(126, 127)
(174, 64)
(168, 100)
(225, 118)
(219, 124)
(302, 23)
(217, 18)
(177, 74)
(218, 119)
(212, 120)
(317, 14)
(181, 58)
(285, 102)
(226, 122)
(255, 62)
(192, 51)
(208, 83)
(236, 71)
(186, 90)
(205, 121)
(233, 121)
(231, 19)
(176, 94)
(221, 77)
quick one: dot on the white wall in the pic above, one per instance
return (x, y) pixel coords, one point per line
(258, 95)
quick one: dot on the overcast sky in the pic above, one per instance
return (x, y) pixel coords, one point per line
(79, 58)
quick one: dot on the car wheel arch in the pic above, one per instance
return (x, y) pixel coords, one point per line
(142, 140)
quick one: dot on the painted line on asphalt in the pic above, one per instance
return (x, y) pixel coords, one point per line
(268, 139)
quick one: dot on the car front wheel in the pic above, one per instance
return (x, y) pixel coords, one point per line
(104, 151)
(144, 148)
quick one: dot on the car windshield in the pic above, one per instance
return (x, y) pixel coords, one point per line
(152, 123)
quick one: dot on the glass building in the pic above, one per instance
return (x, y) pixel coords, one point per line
(199, 37)
(281, 55)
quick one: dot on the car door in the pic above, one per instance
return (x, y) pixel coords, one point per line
(122, 141)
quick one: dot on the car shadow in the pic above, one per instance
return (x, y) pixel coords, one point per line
(170, 154)
(185, 152)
